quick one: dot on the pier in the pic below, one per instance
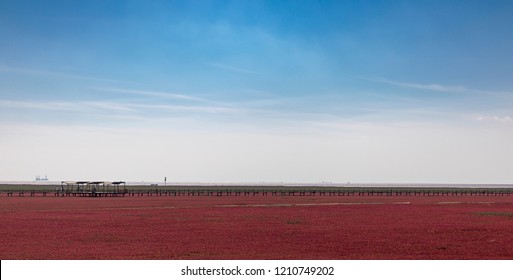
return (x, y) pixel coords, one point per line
(120, 189)
(91, 189)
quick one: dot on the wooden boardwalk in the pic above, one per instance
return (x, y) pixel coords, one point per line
(271, 192)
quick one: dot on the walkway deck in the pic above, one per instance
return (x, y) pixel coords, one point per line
(271, 192)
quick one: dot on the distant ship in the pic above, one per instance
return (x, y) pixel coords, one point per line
(39, 178)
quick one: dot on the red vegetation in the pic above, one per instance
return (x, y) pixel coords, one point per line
(257, 227)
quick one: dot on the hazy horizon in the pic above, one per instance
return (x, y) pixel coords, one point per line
(151, 184)
(257, 91)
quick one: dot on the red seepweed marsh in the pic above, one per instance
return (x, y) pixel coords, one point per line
(257, 227)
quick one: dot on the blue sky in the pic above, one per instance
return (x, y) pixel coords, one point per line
(245, 91)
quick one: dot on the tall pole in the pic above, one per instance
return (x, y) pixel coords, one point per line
(165, 181)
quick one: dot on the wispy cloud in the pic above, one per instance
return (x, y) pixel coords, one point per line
(51, 73)
(494, 118)
(435, 87)
(65, 105)
(159, 94)
(234, 68)
(194, 109)
(113, 107)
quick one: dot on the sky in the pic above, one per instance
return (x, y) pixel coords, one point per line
(257, 91)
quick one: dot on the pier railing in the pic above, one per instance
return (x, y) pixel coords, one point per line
(132, 191)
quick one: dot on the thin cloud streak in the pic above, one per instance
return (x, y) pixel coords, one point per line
(40, 72)
(112, 107)
(196, 109)
(494, 118)
(159, 94)
(65, 106)
(234, 68)
(435, 87)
